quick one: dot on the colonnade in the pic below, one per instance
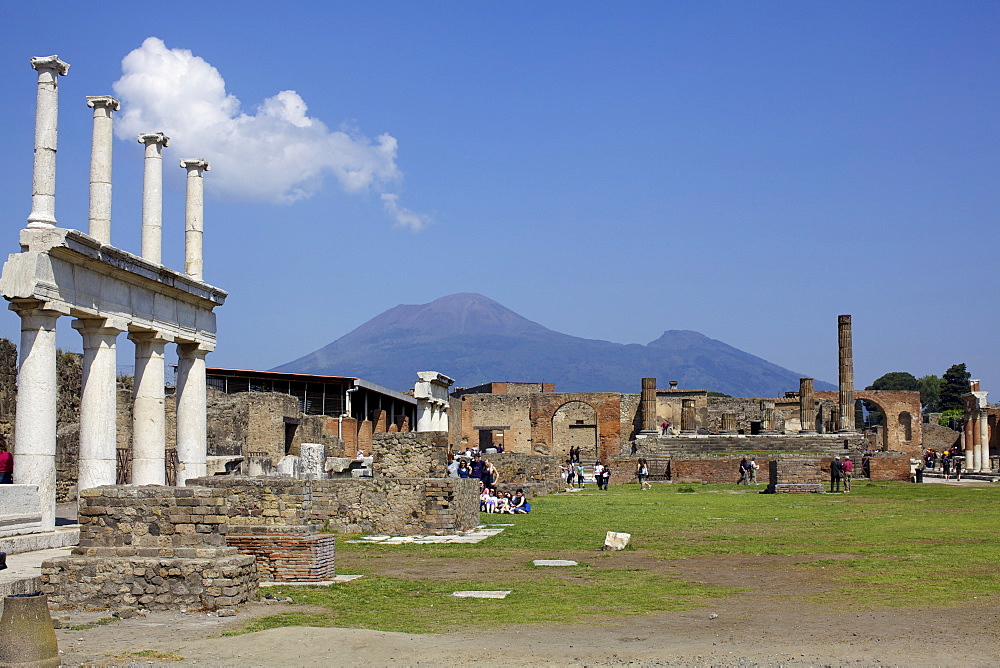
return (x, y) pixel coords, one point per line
(100, 325)
(976, 430)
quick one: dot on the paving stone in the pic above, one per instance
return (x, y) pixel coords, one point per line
(481, 594)
(554, 562)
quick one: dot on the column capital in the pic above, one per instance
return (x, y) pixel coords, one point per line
(152, 138)
(50, 63)
(146, 336)
(28, 307)
(193, 349)
(99, 325)
(94, 101)
(191, 164)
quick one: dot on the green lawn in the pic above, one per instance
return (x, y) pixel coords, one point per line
(892, 544)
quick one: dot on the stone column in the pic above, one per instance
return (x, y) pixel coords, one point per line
(100, 168)
(148, 417)
(984, 439)
(98, 402)
(648, 401)
(729, 423)
(972, 440)
(192, 415)
(807, 406)
(425, 415)
(152, 195)
(767, 416)
(688, 418)
(35, 421)
(965, 443)
(194, 216)
(43, 177)
(846, 359)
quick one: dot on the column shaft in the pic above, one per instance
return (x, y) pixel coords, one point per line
(846, 376)
(100, 167)
(984, 439)
(648, 401)
(688, 417)
(807, 406)
(152, 195)
(35, 421)
(194, 216)
(148, 416)
(192, 417)
(43, 177)
(98, 404)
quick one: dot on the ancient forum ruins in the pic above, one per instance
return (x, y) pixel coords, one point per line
(108, 292)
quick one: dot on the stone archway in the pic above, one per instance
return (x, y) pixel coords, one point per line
(574, 425)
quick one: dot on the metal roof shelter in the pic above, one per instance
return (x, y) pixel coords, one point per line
(335, 396)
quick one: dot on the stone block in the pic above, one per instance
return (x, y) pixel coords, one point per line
(617, 541)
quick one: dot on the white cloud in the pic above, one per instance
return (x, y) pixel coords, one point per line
(279, 154)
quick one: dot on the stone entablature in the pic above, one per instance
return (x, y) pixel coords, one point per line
(431, 393)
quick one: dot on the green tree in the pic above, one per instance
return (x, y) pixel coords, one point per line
(930, 393)
(894, 380)
(954, 384)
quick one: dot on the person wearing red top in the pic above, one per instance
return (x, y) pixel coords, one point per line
(6, 464)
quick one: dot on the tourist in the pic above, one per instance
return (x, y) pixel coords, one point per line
(574, 455)
(958, 467)
(642, 473)
(847, 470)
(477, 467)
(753, 470)
(579, 473)
(606, 477)
(836, 470)
(599, 474)
(665, 427)
(503, 503)
(490, 470)
(946, 465)
(518, 503)
(6, 463)
(453, 468)
(463, 469)
(744, 472)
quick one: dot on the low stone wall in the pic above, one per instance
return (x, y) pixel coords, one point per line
(398, 506)
(410, 454)
(20, 510)
(882, 466)
(154, 547)
(796, 475)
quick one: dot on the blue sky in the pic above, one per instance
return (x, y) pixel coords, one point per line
(746, 170)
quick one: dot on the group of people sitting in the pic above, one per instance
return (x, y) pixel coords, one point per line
(493, 501)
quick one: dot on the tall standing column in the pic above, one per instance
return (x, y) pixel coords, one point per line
(43, 177)
(100, 167)
(972, 458)
(152, 195)
(984, 439)
(807, 406)
(648, 401)
(194, 216)
(35, 421)
(98, 402)
(148, 416)
(846, 363)
(192, 416)
(688, 419)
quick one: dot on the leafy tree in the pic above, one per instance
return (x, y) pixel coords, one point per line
(930, 393)
(946, 416)
(719, 394)
(954, 384)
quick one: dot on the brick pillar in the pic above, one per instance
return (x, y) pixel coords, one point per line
(807, 406)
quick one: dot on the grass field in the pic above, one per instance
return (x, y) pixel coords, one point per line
(891, 544)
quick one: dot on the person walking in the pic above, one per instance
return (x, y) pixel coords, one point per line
(958, 468)
(754, 466)
(6, 463)
(847, 469)
(836, 470)
(946, 465)
(642, 473)
(579, 475)
(744, 472)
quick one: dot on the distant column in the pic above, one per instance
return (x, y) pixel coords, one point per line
(846, 359)
(767, 416)
(43, 177)
(35, 419)
(972, 458)
(152, 195)
(100, 168)
(194, 216)
(807, 406)
(648, 401)
(984, 439)
(148, 416)
(98, 403)
(729, 423)
(688, 418)
(192, 413)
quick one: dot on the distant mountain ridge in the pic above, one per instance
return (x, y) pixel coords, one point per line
(476, 340)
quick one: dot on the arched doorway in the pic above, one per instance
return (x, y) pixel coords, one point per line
(574, 425)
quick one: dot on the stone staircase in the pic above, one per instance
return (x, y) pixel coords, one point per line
(817, 444)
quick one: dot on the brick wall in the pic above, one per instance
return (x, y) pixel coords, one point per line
(287, 554)
(797, 474)
(888, 466)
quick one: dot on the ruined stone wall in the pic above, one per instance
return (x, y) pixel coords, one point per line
(398, 506)
(288, 553)
(882, 466)
(492, 410)
(606, 406)
(410, 454)
(937, 437)
(902, 410)
(746, 410)
(517, 468)
(631, 417)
